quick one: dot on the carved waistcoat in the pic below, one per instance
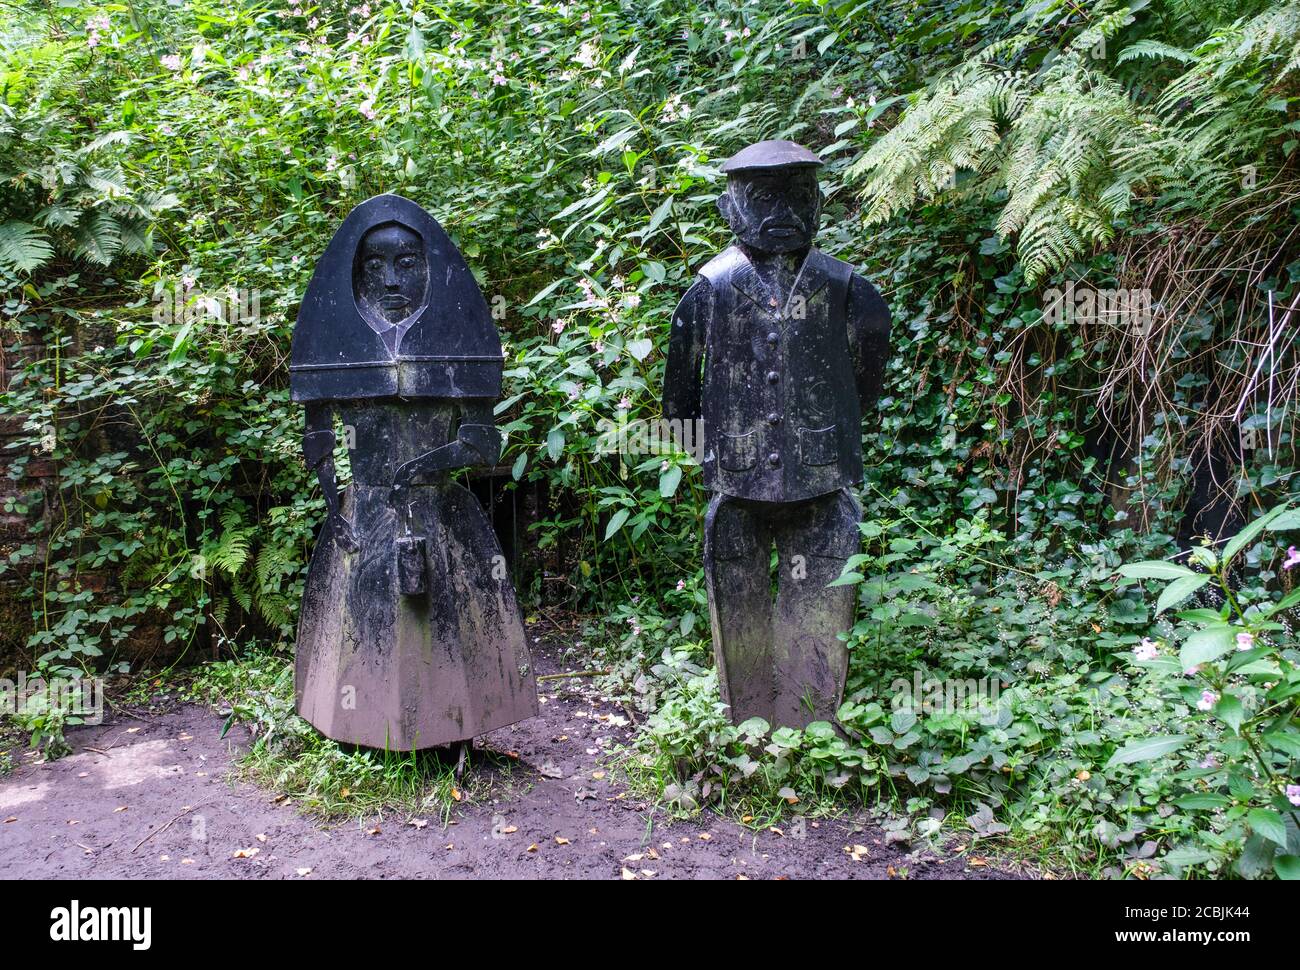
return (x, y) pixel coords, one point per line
(782, 418)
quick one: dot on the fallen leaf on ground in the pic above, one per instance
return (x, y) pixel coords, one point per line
(375, 831)
(261, 838)
(858, 852)
(304, 872)
(561, 840)
(245, 853)
(455, 794)
(122, 808)
(532, 848)
(418, 823)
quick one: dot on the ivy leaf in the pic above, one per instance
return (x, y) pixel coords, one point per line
(640, 349)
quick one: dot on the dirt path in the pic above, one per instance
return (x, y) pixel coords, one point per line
(155, 798)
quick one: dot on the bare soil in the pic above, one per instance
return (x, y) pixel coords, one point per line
(157, 797)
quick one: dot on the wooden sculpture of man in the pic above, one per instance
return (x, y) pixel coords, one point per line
(780, 350)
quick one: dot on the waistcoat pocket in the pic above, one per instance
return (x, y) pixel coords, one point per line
(817, 446)
(737, 452)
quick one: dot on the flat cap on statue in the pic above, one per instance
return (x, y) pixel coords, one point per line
(770, 154)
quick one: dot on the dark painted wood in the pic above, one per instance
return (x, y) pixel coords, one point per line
(778, 349)
(410, 635)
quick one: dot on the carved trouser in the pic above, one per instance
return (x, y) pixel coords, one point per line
(782, 661)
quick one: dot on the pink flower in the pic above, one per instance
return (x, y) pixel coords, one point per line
(624, 404)
(367, 109)
(1208, 699)
(681, 585)
(1146, 650)
(1293, 794)
(170, 61)
(1245, 640)
(1192, 671)
(1292, 558)
(558, 326)
(498, 79)
(1210, 762)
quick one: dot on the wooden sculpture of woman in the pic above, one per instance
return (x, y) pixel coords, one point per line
(410, 635)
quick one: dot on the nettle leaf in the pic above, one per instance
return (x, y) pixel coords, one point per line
(616, 522)
(555, 443)
(1156, 569)
(1179, 590)
(1287, 866)
(1248, 535)
(1269, 824)
(669, 481)
(1147, 749)
(1230, 711)
(903, 720)
(1205, 646)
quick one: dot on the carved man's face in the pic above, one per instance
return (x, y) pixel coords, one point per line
(773, 212)
(391, 273)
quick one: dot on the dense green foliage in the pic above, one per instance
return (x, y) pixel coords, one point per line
(159, 163)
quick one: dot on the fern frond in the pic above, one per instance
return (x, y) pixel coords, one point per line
(23, 247)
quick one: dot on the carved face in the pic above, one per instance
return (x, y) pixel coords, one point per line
(773, 212)
(391, 275)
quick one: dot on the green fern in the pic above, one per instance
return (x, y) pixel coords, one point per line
(1070, 146)
(23, 246)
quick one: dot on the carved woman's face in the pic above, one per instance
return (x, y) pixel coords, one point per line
(391, 274)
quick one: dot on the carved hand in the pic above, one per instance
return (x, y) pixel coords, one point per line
(344, 537)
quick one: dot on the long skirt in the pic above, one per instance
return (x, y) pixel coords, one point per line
(397, 670)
